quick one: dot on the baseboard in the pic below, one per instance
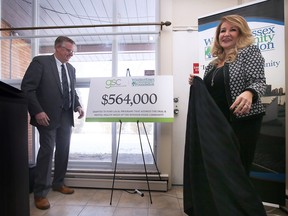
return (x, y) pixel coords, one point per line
(122, 181)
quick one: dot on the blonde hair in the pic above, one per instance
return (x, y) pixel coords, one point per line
(245, 39)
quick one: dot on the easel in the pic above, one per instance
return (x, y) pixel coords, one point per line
(116, 160)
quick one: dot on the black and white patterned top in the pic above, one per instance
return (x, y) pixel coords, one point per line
(245, 73)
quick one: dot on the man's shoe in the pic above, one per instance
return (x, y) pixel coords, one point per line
(64, 189)
(41, 203)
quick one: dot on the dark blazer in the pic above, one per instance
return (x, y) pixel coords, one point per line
(41, 84)
(245, 73)
(215, 182)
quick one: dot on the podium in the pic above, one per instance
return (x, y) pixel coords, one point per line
(14, 153)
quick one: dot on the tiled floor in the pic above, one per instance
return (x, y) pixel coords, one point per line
(96, 202)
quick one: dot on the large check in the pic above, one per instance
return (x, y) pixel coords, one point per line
(131, 99)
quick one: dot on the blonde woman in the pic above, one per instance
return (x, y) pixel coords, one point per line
(235, 79)
(223, 124)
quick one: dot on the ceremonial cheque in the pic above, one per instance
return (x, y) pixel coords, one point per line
(131, 99)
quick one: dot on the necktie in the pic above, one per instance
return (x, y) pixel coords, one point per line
(65, 88)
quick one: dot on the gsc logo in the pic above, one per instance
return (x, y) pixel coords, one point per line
(113, 83)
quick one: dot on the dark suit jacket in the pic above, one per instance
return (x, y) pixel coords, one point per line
(215, 182)
(41, 84)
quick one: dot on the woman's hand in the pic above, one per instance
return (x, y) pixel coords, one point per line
(190, 79)
(242, 104)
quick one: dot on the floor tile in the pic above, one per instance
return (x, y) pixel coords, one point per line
(103, 198)
(165, 212)
(131, 212)
(97, 211)
(133, 200)
(61, 210)
(79, 197)
(164, 201)
(96, 202)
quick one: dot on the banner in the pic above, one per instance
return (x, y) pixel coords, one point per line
(266, 20)
(131, 99)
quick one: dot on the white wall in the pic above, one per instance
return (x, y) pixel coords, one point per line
(184, 55)
(186, 12)
(164, 136)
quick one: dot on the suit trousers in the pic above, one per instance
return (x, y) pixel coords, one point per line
(58, 138)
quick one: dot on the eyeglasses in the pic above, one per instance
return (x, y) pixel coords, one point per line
(69, 50)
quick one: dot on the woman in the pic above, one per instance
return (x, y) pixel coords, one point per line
(235, 79)
(216, 145)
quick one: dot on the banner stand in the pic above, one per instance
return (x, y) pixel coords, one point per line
(146, 174)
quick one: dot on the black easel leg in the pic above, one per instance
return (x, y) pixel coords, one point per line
(151, 151)
(116, 162)
(144, 162)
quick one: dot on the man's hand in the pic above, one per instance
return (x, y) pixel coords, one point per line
(80, 111)
(42, 119)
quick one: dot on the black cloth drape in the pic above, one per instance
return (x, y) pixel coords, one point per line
(215, 182)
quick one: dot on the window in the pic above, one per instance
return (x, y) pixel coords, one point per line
(101, 51)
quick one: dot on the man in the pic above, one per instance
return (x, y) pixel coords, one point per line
(49, 84)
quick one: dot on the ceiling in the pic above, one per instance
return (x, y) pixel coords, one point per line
(76, 13)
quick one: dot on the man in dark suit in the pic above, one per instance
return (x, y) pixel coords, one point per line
(49, 84)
